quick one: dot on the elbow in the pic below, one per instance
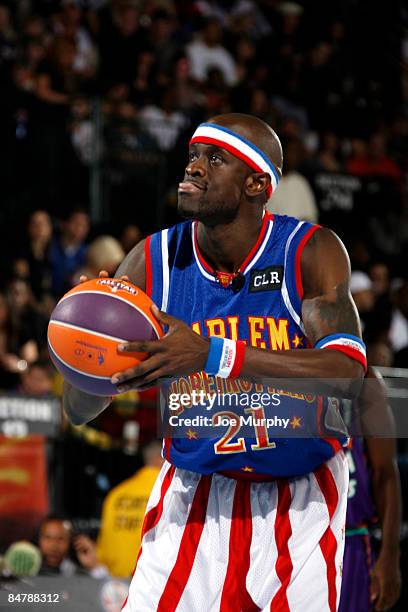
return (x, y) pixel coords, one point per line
(349, 377)
(74, 417)
(355, 379)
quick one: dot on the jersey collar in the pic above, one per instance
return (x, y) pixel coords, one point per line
(249, 261)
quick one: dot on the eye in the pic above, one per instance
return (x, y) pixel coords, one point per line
(216, 159)
(192, 156)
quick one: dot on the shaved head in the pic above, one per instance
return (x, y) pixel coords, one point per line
(255, 130)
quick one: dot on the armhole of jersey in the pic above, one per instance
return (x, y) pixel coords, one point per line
(165, 269)
(292, 287)
(157, 268)
(298, 258)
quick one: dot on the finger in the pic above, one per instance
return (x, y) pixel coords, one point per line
(144, 382)
(83, 278)
(125, 277)
(374, 588)
(137, 371)
(142, 346)
(103, 274)
(163, 317)
(387, 598)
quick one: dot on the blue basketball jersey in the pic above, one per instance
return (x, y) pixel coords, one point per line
(265, 311)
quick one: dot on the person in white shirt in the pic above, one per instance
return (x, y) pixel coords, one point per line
(294, 197)
(207, 52)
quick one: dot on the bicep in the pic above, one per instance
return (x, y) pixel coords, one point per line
(134, 266)
(327, 306)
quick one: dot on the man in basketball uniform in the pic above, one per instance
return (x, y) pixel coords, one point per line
(373, 471)
(235, 523)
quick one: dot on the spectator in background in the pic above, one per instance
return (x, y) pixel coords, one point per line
(380, 278)
(68, 24)
(34, 262)
(188, 95)
(57, 79)
(16, 350)
(130, 236)
(399, 323)
(163, 121)
(121, 39)
(8, 38)
(27, 321)
(56, 83)
(208, 52)
(294, 196)
(373, 160)
(104, 253)
(55, 541)
(68, 250)
(123, 512)
(37, 380)
(361, 288)
(163, 41)
(379, 353)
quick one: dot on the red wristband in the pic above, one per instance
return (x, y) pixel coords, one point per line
(239, 359)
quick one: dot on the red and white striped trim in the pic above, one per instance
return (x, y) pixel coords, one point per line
(350, 345)
(237, 145)
(250, 260)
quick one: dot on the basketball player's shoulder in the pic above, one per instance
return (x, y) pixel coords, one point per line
(324, 242)
(324, 259)
(134, 264)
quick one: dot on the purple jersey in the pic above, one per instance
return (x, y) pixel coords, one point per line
(360, 508)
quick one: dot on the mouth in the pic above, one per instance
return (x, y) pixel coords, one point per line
(191, 187)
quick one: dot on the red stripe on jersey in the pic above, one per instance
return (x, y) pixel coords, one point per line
(298, 255)
(205, 265)
(234, 589)
(283, 532)
(148, 266)
(255, 248)
(190, 540)
(153, 516)
(266, 218)
(328, 542)
(167, 446)
(234, 151)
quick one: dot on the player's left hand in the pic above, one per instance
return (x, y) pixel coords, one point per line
(85, 549)
(180, 351)
(385, 583)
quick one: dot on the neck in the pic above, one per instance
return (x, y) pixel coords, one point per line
(225, 247)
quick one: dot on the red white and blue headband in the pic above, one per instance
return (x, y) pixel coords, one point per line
(234, 143)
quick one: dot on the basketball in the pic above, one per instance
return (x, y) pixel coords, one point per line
(88, 324)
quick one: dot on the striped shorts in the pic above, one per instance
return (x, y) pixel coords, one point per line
(213, 543)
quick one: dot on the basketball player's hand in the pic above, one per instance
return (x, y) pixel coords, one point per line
(180, 351)
(385, 583)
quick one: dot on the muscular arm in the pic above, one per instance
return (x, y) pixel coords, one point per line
(327, 308)
(385, 481)
(80, 407)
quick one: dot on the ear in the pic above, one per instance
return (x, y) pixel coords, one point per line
(256, 184)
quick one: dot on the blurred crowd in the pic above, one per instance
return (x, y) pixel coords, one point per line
(105, 94)
(153, 69)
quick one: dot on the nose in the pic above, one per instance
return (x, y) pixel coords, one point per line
(196, 167)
